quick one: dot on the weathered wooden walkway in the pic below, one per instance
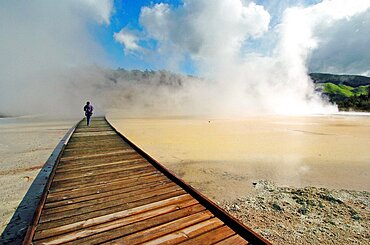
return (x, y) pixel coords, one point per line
(104, 189)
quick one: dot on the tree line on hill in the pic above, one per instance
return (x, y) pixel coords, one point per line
(349, 92)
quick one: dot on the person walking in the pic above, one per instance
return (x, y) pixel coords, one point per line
(88, 109)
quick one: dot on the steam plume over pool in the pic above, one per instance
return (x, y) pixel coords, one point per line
(250, 57)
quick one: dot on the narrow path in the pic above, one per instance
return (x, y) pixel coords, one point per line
(106, 190)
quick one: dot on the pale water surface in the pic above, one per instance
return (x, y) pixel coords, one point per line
(223, 157)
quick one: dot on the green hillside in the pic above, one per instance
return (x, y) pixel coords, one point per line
(349, 92)
(343, 90)
(350, 80)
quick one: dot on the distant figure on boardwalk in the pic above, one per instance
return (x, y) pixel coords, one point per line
(88, 108)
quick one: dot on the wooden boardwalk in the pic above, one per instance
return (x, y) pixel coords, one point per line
(105, 190)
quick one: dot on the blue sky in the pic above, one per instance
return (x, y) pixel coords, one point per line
(126, 13)
(126, 16)
(249, 44)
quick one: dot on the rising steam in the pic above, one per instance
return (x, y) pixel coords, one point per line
(51, 64)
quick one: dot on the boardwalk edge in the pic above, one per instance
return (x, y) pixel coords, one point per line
(21, 226)
(240, 228)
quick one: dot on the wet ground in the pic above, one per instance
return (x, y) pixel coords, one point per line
(223, 157)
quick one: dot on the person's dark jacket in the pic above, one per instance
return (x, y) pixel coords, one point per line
(88, 110)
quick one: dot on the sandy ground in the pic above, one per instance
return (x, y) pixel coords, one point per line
(223, 157)
(25, 145)
(316, 169)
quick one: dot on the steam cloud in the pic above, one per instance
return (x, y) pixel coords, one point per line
(41, 41)
(251, 82)
(50, 63)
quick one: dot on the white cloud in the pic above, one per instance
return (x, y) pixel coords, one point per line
(206, 31)
(129, 39)
(214, 35)
(220, 37)
(304, 28)
(337, 9)
(343, 46)
(156, 20)
(42, 39)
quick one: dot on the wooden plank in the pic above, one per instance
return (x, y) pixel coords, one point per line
(103, 181)
(88, 180)
(89, 156)
(106, 187)
(106, 128)
(74, 209)
(119, 229)
(87, 167)
(212, 236)
(97, 194)
(89, 134)
(94, 138)
(188, 232)
(129, 224)
(103, 177)
(101, 143)
(110, 210)
(158, 231)
(123, 193)
(69, 216)
(96, 124)
(124, 155)
(171, 204)
(99, 171)
(92, 150)
(80, 170)
(92, 162)
(95, 148)
(233, 240)
(96, 161)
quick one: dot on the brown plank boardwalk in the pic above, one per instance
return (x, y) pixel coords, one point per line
(104, 189)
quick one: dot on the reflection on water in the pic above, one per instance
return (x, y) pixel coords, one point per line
(223, 157)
